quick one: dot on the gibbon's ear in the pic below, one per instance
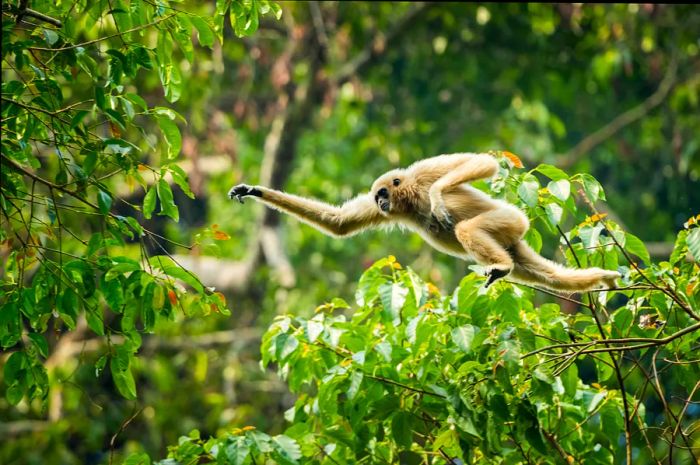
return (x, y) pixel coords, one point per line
(396, 181)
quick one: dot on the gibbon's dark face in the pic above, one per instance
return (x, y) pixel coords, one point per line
(384, 190)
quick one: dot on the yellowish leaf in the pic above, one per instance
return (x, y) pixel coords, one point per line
(221, 236)
(513, 159)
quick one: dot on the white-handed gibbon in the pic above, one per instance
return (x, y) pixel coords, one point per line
(431, 198)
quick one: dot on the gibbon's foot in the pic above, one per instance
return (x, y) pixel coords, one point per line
(495, 274)
(443, 217)
(243, 190)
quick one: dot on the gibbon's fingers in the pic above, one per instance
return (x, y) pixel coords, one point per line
(493, 275)
(243, 190)
(443, 217)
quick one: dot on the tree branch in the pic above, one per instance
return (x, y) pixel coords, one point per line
(630, 116)
(378, 45)
(646, 342)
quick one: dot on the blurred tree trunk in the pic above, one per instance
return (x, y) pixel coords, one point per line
(296, 105)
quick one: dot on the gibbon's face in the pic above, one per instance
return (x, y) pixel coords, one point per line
(384, 191)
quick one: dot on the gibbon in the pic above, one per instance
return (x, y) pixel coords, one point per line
(431, 197)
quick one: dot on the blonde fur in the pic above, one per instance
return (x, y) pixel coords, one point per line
(431, 197)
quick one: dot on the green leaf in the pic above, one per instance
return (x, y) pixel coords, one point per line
(167, 204)
(167, 266)
(393, 297)
(116, 117)
(89, 66)
(693, 242)
(508, 308)
(149, 203)
(552, 172)
(355, 382)
(528, 190)
(15, 364)
(623, 320)
(40, 343)
(95, 320)
(170, 113)
(463, 421)
(635, 246)
(596, 400)
(173, 138)
(113, 293)
(560, 189)
(138, 458)
(463, 337)
(401, 429)
(172, 81)
(313, 330)
(534, 437)
(180, 178)
(287, 449)
(100, 98)
(236, 451)
(554, 213)
(120, 269)
(591, 187)
(137, 100)
(205, 34)
(67, 305)
(285, 345)
(104, 201)
(14, 393)
(50, 36)
(123, 379)
(89, 163)
(276, 10)
(569, 378)
(680, 248)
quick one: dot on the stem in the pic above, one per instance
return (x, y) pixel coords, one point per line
(616, 366)
(90, 42)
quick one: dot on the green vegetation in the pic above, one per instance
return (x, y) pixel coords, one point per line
(137, 303)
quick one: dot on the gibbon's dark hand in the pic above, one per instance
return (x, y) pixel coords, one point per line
(443, 217)
(243, 190)
(494, 274)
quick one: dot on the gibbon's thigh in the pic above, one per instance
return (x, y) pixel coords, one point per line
(487, 236)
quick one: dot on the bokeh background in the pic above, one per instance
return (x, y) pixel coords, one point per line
(321, 102)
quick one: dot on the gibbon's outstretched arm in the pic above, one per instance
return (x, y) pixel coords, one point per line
(350, 218)
(430, 197)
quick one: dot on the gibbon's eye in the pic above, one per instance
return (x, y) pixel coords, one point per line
(383, 192)
(397, 181)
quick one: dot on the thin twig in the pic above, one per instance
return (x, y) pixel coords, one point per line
(649, 342)
(624, 119)
(100, 39)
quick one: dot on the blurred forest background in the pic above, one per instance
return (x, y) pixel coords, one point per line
(319, 103)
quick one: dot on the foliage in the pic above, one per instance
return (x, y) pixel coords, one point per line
(75, 128)
(486, 376)
(108, 119)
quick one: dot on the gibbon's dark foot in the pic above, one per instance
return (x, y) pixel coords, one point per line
(495, 274)
(243, 190)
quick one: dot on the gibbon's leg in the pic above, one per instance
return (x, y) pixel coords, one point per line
(471, 168)
(353, 216)
(488, 236)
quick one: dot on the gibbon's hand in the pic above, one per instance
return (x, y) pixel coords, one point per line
(440, 214)
(243, 190)
(438, 210)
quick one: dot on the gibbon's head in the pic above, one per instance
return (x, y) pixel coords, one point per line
(387, 191)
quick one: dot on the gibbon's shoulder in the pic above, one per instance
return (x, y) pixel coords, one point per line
(447, 157)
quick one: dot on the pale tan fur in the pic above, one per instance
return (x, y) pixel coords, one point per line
(431, 197)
